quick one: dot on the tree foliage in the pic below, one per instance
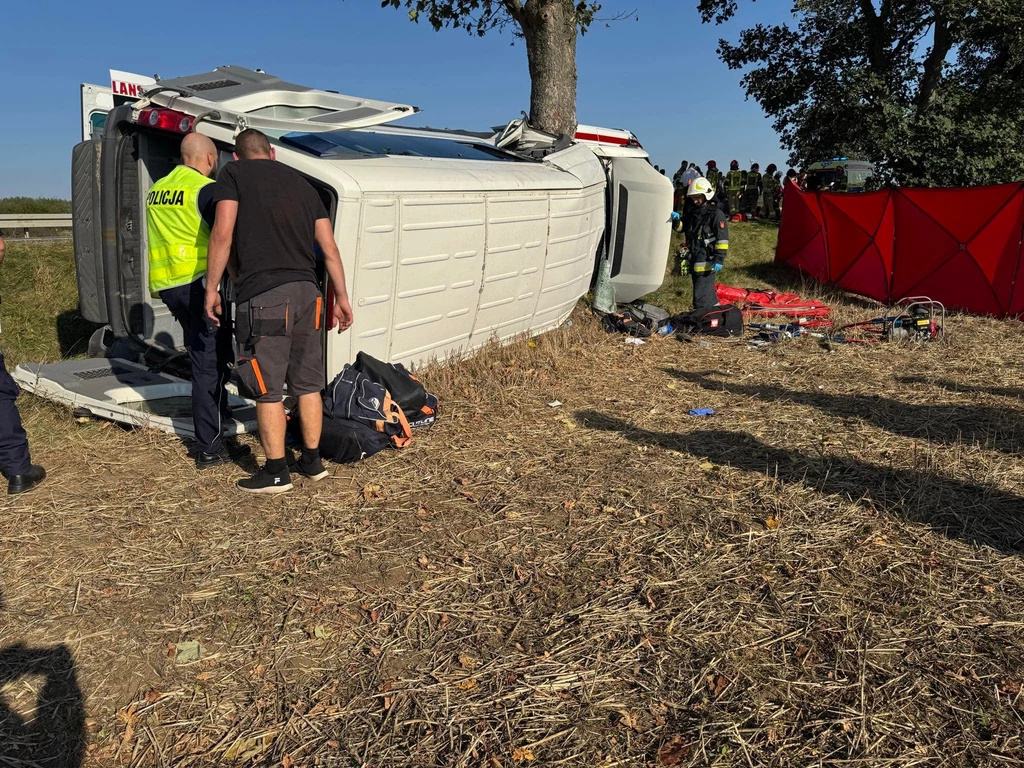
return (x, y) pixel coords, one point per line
(34, 205)
(932, 91)
(549, 29)
(478, 17)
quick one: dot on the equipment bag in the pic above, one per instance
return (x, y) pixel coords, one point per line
(627, 323)
(346, 441)
(353, 395)
(647, 315)
(723, 320)
(420, 407)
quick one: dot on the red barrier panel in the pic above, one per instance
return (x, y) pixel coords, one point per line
(958, 246)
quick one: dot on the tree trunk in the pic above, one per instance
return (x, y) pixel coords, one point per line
(932, 75)
(549, 28)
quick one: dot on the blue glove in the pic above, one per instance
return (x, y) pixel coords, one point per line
(675, 217)
(717, 267)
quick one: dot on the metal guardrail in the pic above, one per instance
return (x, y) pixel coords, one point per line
(35, 220)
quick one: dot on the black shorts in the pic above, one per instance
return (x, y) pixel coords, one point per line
(280, 341)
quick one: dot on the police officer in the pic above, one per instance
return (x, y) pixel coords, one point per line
(179, 214)
(15, 462)
(751, 190)
(734, 185)
(706, 233)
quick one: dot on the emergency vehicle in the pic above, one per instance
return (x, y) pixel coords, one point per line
(450, 239)
(839, 175)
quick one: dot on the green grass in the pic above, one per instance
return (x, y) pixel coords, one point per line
(749, 265)
(34, 205)
(39, 313)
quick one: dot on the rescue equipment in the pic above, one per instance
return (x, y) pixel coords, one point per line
(724, 320)
(353, 395)
(767, 303)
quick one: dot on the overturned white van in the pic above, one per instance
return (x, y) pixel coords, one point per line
(449, 238)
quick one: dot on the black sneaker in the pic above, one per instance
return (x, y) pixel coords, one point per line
(265, 481)
(314, 470)
(21, 483)
(229, 451)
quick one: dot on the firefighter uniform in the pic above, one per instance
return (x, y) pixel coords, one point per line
(706, 230)
(751, 192)
(768, 203)
(734, 188)
(179, 236)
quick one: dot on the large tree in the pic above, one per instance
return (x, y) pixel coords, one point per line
(930, 90)
(549, 29)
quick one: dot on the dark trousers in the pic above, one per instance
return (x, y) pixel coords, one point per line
(14, 456)
(210, 353)
(704, 296)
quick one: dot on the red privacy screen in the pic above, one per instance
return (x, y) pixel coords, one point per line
(958, 246)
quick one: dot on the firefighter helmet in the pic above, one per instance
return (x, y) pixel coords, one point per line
(712, 164)
(701, 186)
(755, 167)
(734, 165)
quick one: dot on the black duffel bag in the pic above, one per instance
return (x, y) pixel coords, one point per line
(724, 320)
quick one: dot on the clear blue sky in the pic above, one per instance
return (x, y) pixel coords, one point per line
(659, 76)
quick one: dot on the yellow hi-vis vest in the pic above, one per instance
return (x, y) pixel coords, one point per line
(177, 234)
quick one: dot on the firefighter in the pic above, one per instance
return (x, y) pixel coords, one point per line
(734, 185)
(751, 191)
(706, 235)
(677, 177)
(768, 192)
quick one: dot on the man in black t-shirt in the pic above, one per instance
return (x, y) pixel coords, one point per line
(273, 216)
(22, 475)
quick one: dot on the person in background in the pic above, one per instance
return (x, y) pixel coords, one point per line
(717, 181)
(706, 234)
(15, 461)
(734, 186)
(273, 216)
(179, 215)
(677, 177)
(690, 176)
(751, 190)
(768, 192)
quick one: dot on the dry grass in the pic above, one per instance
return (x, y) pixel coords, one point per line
(826, 572)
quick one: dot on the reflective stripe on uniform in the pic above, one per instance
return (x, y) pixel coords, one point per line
(703, 266)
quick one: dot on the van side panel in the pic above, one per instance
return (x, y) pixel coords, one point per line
(517, 241)
(441, 256)
(373, 279)
(87, 230)
(577, 226)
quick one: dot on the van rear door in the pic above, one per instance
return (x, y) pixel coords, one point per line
(245, 98)
(639, 228)
(97, 101)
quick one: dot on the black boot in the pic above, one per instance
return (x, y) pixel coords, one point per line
(21, 483)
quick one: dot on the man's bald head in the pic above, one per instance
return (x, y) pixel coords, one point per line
(251, 144)
(198, 152)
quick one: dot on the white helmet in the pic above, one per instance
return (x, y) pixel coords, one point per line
(701, 186)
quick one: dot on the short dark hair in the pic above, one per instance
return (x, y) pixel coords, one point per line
(251, 143)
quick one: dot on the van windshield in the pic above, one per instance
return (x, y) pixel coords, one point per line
(366, 143)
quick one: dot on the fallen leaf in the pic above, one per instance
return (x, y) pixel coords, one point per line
(153, 696)
(371, 492)
(287, 762)
(463, 481)
(203, 676)
(707, 466)
(988, 588)
(188, 651)
(531, 344)
(522, 754)
(676, 752)
(468, 662)
(771, 523)
(423, 560)
(1010, 687)
(466, 685)
(321, 632)
(334, 744)
(800, 654)
(717, 684)
(374, 651)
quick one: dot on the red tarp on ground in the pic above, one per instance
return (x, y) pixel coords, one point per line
(958, 246)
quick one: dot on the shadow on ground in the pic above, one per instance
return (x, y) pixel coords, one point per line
(52, 732)
(952, 386)
(974, 512)
(73, 333)
(997, 428)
